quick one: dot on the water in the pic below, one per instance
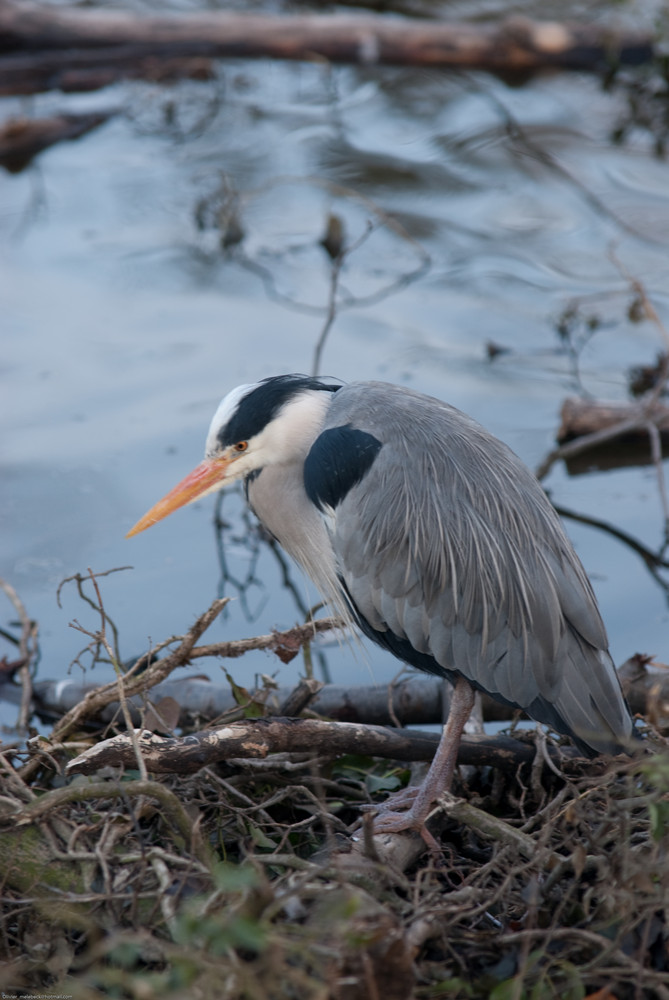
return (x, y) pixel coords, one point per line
(124, 321)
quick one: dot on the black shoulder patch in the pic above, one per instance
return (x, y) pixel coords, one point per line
(259, 406)
(339, 458)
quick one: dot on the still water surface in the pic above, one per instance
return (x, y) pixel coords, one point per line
(124, 320)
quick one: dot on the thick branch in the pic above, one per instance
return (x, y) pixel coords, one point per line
(256, 739)
(65, 37)
(415, 700)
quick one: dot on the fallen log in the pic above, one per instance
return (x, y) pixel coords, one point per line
(414, 700)
(62, 40)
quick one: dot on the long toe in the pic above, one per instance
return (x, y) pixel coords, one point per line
(400, 822)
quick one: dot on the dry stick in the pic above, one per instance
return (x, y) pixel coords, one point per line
(606, 946)
(648, 306)
(299, 634)
(656, 452)
(155, 672)
(101, 637)
(80, 580)
(27, 652)
(589, 441)
(172, 808)
(493, 828)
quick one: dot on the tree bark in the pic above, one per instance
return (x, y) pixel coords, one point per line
(51, 42)
(256, 739)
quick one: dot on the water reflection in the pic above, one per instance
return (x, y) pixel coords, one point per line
(176, 252)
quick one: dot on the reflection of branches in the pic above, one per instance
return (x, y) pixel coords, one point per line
(526, 145)
(641, 415)
(378, 219)
(202, 104)
(36, 205)
(335, 271)
(653, 561)
(252, 543)
(576, 331)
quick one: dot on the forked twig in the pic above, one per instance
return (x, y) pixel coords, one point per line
(100, 637)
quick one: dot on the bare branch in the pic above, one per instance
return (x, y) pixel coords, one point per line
(257, 738)
(154, 673)
(27, 651)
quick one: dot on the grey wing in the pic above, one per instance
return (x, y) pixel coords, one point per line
(453, 557)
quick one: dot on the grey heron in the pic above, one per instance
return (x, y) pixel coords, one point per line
(430, 535)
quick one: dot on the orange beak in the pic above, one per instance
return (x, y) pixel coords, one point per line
(206, 478)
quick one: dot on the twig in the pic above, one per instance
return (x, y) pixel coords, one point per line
(101, 638)
(656, 452)
(649, 308)
(80, 580)
(27, 650)
(589, 441)
(155, 672)
(298, 634)
(175, 814)
(335, 273)
(496, 829)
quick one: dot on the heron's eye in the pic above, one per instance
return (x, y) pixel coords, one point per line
(241, 446)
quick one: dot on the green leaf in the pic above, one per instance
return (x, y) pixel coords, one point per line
(234, 877)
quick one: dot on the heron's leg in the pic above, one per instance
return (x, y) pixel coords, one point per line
(438, 778)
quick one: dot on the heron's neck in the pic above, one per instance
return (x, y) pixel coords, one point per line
(280, 502)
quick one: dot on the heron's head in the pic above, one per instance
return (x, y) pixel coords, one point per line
(267, 423)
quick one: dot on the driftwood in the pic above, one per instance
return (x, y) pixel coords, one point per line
(23, 138)
(586, 416)
(46, 47)
(256, 739)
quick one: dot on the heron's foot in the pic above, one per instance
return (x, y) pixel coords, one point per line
(389, 820)
(402, 799)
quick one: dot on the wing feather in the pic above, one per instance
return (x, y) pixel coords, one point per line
(449, 544)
